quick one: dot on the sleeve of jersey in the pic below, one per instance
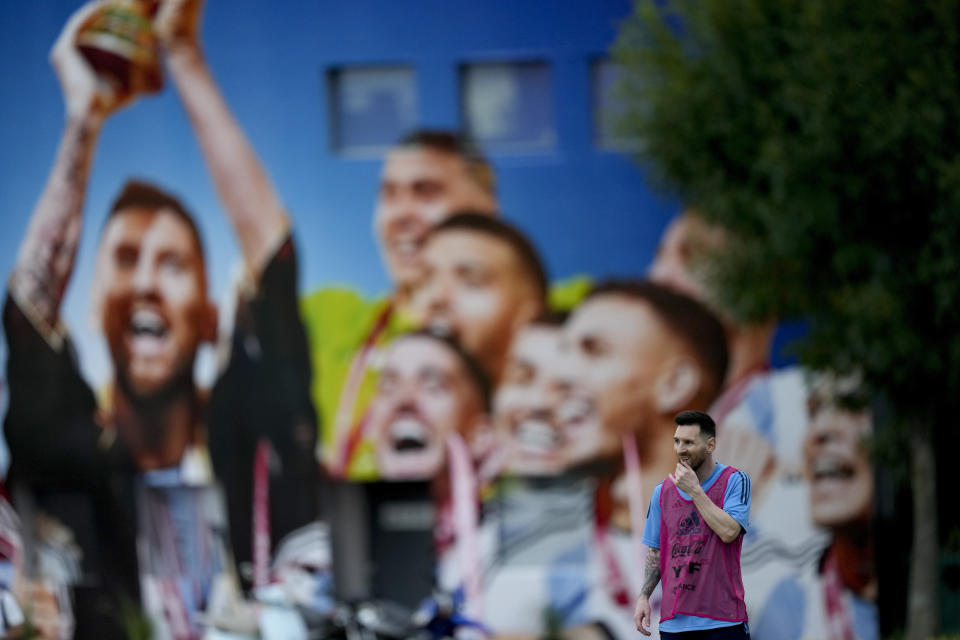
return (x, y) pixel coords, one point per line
(736, 502)
(268, 379)
(651, 530)
(277, 324)
(49, 425)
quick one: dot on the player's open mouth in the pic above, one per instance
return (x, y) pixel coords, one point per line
(443, 325)
(147, 322)
(147, 332)
(827, 468)
(406, 246)
(408, 435)
(536, 436)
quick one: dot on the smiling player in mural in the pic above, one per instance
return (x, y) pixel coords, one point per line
(835, 597)
(628, 357)
(429, 389)
(134, 481)
(430, 421)
(482, 281)
(524, 405)
(640, 353)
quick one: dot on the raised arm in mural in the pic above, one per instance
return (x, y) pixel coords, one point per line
(242, 183)
(48, 251)
(261, 401)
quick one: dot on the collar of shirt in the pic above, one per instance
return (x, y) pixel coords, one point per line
(194, 470)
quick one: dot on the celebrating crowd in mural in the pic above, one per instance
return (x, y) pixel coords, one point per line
(559, 429)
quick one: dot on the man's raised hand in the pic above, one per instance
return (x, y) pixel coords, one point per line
(85, 93)
(685, 478)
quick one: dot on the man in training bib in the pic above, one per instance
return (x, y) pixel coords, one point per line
(694, 531)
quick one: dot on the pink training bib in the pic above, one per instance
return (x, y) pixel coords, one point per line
(700, 573)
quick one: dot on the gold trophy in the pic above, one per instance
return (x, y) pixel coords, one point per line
(119, 43)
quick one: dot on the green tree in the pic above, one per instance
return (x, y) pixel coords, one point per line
(824, 136)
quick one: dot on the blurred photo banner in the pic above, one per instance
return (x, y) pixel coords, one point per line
(283, 282)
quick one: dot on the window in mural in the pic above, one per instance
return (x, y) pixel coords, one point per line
(370, 107)
(508, 107)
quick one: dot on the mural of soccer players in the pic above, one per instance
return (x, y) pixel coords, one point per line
(430, 421)
(426, 177)
(482, 281)
(644, 352)
(835, 596)
(641, 350)
(681, 263)
(131, 485)
(631, 355)
(761, 414)
(537, 517)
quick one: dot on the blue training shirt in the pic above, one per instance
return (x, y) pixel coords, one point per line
(736, 502)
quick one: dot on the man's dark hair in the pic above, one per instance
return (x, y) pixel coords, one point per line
(141, 194)
(685, 318)
(474, 370)
(497, 228)
(708, 428)
(458, 144)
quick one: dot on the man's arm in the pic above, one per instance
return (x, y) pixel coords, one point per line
(651, 576)
(47, 254)
(241, 181)
(716, 518)
(48, 251)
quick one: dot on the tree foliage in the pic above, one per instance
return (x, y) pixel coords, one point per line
(824, 135)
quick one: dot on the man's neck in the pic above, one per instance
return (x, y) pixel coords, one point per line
(750, 347)
(157, 436)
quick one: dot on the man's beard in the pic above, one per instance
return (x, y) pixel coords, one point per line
(699, 463)
(695, 463)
